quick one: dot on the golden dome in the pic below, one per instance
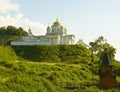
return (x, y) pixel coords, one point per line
(56, 23)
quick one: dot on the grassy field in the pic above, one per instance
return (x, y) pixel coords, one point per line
(20, 75)
(27, 76)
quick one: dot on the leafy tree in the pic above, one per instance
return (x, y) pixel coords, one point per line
(10, 33)
(21, 31)
(12, 30)
(2, 30)
(99, 45)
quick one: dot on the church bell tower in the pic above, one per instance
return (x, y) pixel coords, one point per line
(106, 75)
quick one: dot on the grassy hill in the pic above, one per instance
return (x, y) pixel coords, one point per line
(7, 54)
(41, 77)
(54, 53)
(48, 77)
(22, 75)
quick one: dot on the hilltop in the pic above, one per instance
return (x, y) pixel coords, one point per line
(20, 73)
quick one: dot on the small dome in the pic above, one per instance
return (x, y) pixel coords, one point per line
(48, 28)
(56, 23)
(29, 31)
(61, 27)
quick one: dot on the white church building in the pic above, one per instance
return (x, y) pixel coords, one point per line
(55, 35)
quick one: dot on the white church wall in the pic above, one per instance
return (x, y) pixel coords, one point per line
(30, 43)
(55, 35)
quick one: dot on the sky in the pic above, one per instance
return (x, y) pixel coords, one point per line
(86, 19)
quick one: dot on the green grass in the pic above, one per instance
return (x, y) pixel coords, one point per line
(20, 75)
(40, 77)
(47, 77)
(7, 54)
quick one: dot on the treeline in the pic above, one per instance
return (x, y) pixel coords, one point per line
(55, 53)
(12, 30)
(10, 33)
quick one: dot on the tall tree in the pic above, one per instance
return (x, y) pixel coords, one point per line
(99, 45)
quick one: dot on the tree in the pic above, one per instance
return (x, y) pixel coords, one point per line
(10, 33)
(11, 30)
(99, 45)
(2, 30)
(21, 31)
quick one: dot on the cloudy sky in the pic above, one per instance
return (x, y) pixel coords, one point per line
(87, 19)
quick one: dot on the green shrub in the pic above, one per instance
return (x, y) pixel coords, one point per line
(54, 53)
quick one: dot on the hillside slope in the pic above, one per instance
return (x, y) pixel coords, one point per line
(54, 53)
(27, 76)
(7, 54)
(48, 77)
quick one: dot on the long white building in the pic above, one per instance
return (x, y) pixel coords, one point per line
(55, 35)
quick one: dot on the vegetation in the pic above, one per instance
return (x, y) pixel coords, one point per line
(11, 30)
(17, 74)
(7, 54)
(10, 33)
(69, 68)
(99, 45)
(48, 77)
(55, 53)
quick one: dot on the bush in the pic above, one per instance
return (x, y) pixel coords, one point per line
(54, 53)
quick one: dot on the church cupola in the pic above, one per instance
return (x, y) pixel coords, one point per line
(107, 76)
(57, 28)
(48, 30)
(56, 23)
(30, 33)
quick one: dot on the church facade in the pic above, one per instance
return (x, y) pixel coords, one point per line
(55, 35)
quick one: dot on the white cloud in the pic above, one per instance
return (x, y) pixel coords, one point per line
(19, 21)
(6, 6)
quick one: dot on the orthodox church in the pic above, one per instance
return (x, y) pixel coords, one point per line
(55, 35)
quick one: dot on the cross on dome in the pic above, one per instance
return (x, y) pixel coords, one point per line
(57, 23)
(56, 19)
